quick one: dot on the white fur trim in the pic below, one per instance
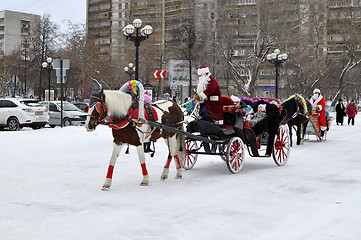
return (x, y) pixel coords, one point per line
(219, 122)
(214, 98)
(316, 90)
(314, 101)
(203, 71)
(319, 107)
(202, 95)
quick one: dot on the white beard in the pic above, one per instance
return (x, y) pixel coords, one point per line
(203, 83)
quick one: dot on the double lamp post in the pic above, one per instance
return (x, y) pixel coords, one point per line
(140, 35)
(277, 58)
(47, 65)
(130, 70)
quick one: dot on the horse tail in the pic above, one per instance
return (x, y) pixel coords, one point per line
(182, 144)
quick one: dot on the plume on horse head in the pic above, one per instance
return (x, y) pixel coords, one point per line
(96, 98)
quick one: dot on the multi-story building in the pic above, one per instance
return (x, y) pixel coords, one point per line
(16, 30)
(247, 24)
(343, 15)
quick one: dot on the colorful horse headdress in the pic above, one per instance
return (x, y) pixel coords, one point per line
(95, 98)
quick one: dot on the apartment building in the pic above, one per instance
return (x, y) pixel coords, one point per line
(107, 18)
(344, 19)
(16, 30)
(320, 25)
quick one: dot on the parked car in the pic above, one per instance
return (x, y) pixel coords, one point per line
(71, 114)
(82, 106)
(18, 113)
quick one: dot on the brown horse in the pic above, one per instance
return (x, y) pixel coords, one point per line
(129, 129)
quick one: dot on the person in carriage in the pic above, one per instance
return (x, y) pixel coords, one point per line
(318, 103)
(209, 94)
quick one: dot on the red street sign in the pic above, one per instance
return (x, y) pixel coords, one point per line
(159, 73)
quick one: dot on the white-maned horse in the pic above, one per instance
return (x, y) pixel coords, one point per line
(128, 129)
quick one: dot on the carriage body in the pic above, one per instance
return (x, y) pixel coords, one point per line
(230, 140)
(313, 127)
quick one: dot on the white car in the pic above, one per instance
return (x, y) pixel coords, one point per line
(71, 114)
(15, 114)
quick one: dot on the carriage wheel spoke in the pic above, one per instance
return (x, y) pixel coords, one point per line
(234, 155)
(281, 146)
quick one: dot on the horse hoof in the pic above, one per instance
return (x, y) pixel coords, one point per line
(178, 176)
(144, 183)
(163, 177)
(105, 188)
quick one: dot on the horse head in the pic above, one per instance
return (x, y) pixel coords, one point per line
(97, 111)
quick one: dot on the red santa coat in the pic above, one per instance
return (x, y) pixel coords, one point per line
(351, 110)
(213, 99)
(320, 104)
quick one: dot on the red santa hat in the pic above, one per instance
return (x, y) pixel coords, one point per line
(316, 90)
(203, 70)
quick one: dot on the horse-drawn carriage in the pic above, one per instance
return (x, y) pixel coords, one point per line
(314, 129)
(298, 111)
(230, 139)
(134, 125)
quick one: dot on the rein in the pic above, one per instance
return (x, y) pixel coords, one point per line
(187, 102)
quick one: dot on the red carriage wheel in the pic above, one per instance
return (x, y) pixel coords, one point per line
(235, 155)
(281, 146)
(190, 158)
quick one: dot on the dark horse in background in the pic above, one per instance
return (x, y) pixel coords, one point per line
(296, 112)
(270, 123)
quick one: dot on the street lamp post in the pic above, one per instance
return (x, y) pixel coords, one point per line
(277, 58)
(47, 65)
(130, 70)
(140, 35)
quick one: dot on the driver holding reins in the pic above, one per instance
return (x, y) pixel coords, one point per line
(318, 103)
(209, 94)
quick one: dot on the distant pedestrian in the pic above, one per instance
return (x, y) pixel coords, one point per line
(340, 112)
(351, 111)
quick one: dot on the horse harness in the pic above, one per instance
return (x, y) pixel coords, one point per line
(300, 111)
(151, 115)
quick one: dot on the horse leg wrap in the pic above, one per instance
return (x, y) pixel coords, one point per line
(177, 162)
(110, 171)
(168, 161)
(179, 167)
(144, 169)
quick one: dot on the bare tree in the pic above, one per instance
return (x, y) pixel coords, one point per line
(351, 55)
(43, 45)
(187, 38)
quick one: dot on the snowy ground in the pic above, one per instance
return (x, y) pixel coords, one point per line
(51, 189)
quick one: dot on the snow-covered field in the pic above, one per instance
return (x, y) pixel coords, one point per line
(51, 189)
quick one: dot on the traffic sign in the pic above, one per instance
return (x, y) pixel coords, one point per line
(57, 64)
(58, 72)
(159, 73)
(174, 80)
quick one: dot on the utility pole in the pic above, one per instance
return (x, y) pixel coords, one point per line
(162, 52)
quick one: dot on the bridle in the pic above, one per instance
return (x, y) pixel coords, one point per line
(100, 107)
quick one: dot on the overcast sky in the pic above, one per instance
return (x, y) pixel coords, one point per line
(59, 10)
